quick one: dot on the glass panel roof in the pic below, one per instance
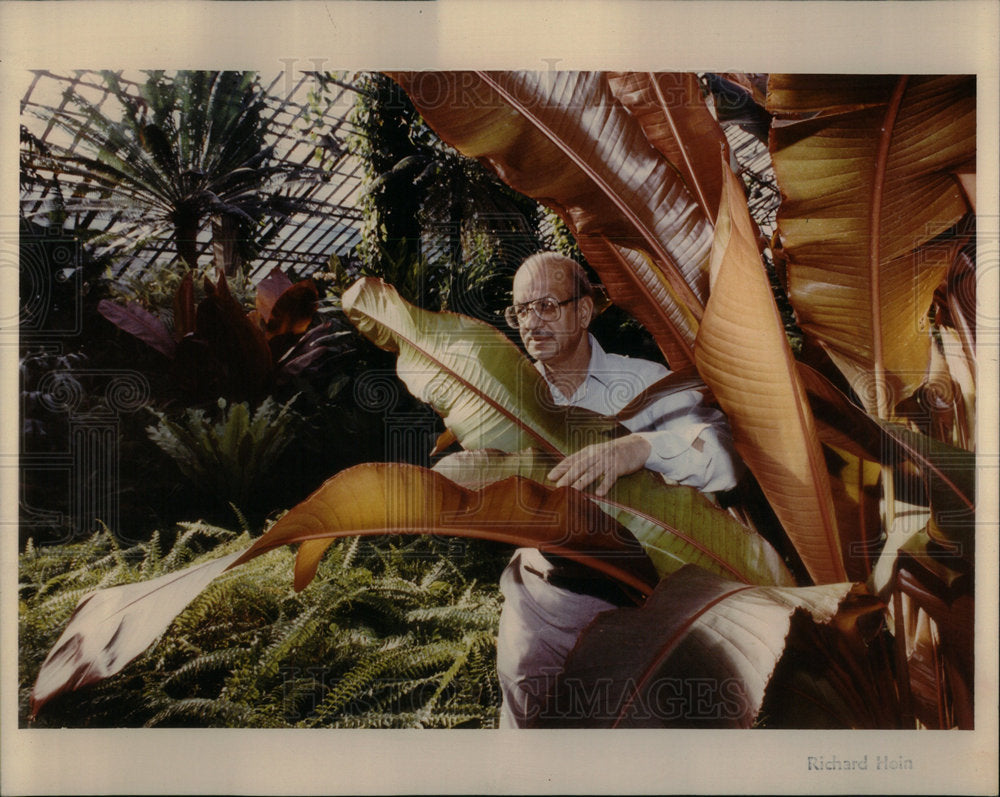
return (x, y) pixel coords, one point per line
(304, 241)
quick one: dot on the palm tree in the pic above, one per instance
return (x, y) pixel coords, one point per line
(186, 151)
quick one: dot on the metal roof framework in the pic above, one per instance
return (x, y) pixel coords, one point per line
(304, 241)
(331, 187)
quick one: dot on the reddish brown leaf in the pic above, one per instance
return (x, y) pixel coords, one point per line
(292, 313)
(268, 291)
(672, 112)
(864, 184)
(184, 307)
(444, 441)
(743, 354)
(138, 321)
(563, 139)
(233, 343)
(636, 286)
(392, 498)
(840, 422)
(700, 653)
(113, 626)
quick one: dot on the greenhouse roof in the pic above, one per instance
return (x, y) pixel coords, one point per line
(329, 184)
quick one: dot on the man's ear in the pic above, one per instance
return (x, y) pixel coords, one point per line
(585, 309)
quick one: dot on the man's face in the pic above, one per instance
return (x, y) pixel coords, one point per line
(550, 341)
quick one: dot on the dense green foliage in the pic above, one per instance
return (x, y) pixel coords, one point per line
(398, 633)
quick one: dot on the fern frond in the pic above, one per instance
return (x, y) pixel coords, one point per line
(59, 607)
(375, 719)
(183, 551)
(88, 550)
(151, 564)
(214, 661)
(236, 601)
(202, 712)
(240, 518)
(483, 615)
(346, 688)
(472, 717)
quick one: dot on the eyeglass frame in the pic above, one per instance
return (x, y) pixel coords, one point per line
(512, 310)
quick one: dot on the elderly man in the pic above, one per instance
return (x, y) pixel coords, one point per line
(548, 603)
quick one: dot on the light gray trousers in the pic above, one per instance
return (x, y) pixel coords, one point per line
(539, 625)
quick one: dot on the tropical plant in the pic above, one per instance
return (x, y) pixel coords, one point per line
(440, 228)
(862, 267)
(231, 457)
(113, 626)
(181, 152)
(218, 349)
(663, 220)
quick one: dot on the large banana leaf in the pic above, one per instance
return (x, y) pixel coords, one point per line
(111, 627)
(563, 138)
(743, 355)
(675, 525)
(701, 652)
(866, 178)
(490, 396)
(941, 660)
(392, 498)
(487, 392)
(960, 300)
(636, 284)
(672, 112)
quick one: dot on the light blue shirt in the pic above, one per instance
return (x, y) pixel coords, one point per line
(670, 425)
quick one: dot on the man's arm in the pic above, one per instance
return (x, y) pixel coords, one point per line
(678, 436)
(603, 463)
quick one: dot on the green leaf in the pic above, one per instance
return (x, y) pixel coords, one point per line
(676, 525)
(487, 392)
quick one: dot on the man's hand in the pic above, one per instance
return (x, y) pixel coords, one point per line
(604, 461)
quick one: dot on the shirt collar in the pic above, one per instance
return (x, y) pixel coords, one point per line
(596, 369)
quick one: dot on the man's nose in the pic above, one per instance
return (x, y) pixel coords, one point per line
(530, 320)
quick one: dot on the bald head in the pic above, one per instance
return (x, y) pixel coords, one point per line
(560, 271)
(560, 342)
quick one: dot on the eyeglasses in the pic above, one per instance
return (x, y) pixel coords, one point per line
(547, 309)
